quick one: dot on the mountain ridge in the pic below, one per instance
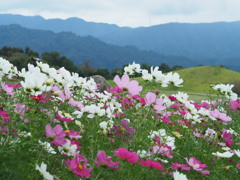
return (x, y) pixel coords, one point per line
(78, 48)
(205, 43)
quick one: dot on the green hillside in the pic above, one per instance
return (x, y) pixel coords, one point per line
(197, 79)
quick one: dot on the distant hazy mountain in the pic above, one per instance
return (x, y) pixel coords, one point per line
(78, 49)
(75, 25)
(208, 40)
(182, 43)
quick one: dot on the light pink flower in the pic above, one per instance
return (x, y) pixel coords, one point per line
(151, 163)
(159, 107)
(78, 104)
(8, 89)
(131, 86)
(238, 166)
(130, 157)
(220, 116)
(150, 98)
(103, 160)
(79, 166)
(57, 133)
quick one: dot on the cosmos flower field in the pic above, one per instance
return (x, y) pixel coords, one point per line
(56, 125)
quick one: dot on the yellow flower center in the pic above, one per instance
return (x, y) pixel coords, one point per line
(67, 131)
(122, 129)
(80, 166)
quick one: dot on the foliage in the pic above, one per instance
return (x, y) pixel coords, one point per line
(236, 87)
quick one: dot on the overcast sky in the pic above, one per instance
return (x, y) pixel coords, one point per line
(133, 13)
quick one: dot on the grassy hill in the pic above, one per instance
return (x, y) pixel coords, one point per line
(196, 79)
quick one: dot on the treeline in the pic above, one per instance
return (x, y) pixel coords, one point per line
(21, 57)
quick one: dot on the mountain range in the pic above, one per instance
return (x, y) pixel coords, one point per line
(187, 44)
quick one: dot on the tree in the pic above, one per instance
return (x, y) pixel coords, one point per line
(145, 66)
(86, 70)
(30, 52)
(177, 67)
(116, 71)
(164, 68)
(54, 59)
(103, 72)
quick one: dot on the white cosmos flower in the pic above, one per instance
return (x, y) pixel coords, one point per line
(68, 149)
(179, 176)
(143, 153)
(34, 82)
(146, 76)
(47, 146)
(174, 78)
(94, 110)
(43, 170)
(106, 125)
(6, 68)
(237, 152)
(226, 154)
(182, 97)
(132, 68)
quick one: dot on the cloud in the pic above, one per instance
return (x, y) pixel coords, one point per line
(129, 12)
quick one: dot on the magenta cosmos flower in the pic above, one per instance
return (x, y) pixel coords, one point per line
(57, 134)
(4, 115)
(60, 115)
(130, 157)
(151, 163)
(235, 105)
(131, 86)
(103, 160)
(79, 166)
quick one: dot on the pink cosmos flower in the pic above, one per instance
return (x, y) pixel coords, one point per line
(103, 160)
(150, 98)
(41, 98)
(57, 133)
(7, 89)
(124, 130)
(131, 86)
(14, 85)
(73, 134)
(78, 104)
(183, 167)
(227, 137)
(151, 163)
(21, 108)
(79, 166)
(5, 116)
(162, 148)
(235, 105)
(130, 157)
(159, 107)
(62, 118)
(238, 166)
(197, 165)
(220, 116)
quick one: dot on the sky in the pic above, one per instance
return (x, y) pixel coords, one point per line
(132, 13)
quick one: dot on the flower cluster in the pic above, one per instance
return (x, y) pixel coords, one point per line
(56, 117)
